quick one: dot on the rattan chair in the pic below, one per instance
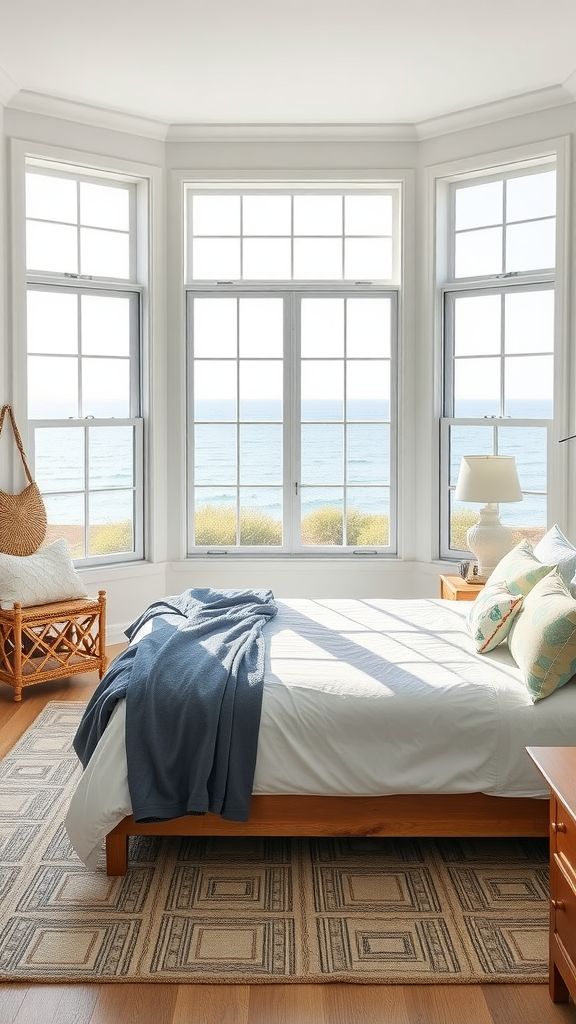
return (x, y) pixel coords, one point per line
(52, 641)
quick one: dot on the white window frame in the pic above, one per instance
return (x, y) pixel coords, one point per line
(442, 180)
(291, 288)
(141, 180)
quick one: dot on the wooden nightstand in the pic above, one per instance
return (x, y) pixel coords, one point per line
(454, 588)
(558, 766)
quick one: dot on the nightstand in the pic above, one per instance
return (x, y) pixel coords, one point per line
(558, 766)
(454, 588)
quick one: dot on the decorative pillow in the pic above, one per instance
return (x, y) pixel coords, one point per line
(520, 570)
(543, 637)
(555, 547)
(491, 615)
(47, 575)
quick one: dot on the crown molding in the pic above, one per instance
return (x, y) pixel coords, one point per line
(85, 113)
(570, 84)
(268, 132)
(8, 87)
(500, 110)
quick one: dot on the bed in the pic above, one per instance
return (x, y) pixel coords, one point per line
(378, 718)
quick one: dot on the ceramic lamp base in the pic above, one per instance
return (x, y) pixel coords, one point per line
(489, 540)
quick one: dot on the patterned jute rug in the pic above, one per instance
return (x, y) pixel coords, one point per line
(362, 910)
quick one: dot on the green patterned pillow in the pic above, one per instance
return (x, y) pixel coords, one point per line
(491, 615)
(520, 570)
(543, 637)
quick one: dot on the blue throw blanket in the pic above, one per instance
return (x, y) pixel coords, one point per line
(193, 689)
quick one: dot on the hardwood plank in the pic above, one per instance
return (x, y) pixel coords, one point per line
(134, 1004)
(528, 1004)
(365, 1004)
(447, 1004)
(287, 1004)
(11, 998)
(216, 1004)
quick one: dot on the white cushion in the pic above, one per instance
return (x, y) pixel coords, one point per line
(491, 615)
(557, 549)
(47, 575)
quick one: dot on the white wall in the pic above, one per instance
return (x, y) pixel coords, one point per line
(415, 573)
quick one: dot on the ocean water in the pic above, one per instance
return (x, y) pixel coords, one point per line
(365, 453)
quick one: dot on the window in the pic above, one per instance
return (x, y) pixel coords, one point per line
(498, 308)
(292, 341)
(83, 348)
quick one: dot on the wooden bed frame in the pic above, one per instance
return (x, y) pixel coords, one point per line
(471, 814)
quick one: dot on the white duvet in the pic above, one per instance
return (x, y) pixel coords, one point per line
(364, 698)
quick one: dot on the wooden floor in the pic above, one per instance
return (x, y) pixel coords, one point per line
(251, 1004)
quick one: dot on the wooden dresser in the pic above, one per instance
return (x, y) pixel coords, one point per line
(558, 766)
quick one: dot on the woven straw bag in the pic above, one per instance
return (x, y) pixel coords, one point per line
(22, 516)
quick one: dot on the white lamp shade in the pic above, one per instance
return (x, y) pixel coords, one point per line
(488, 478)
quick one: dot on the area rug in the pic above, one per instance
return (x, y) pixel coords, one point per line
(367, 910)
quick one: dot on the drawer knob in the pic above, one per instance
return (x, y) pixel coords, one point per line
(558, 826)
(557, 904)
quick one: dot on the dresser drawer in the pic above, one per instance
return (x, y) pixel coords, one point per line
(563, 837)
(563, 917)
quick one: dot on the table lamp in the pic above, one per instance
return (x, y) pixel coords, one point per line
(488, 479)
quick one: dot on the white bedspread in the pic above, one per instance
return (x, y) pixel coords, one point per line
(364, 698)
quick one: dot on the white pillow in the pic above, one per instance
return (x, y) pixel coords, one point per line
(556, 548)
(47, 575)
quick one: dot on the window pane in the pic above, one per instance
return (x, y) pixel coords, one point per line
(266, 259)
(105, 387)
(59, 458)
(468, 441)
(215, 327)
(527, 519)
(368, 389)
(369, 258)
(65, 514)
(529, 322)
(261, 516)
(52, 387)
(367, 516)
(531, 246)
(322, 454)
(111, 516)
(368, 453)
(528, 446)
(266, 215)
(260, 453)
(111, 457)
(318, 259)
(529, 386)
(216, 215)
(322, 522)
(105, 325)
(215, 454)
(462, 517)
(104, 206)
(258, 378)
(52, 322)
(532, 195)
(479, 205)
(322, 390)
(368, 215)
(51, 247)
(216, 259)
(477, 387)
(50, 198)
(215, 385)
(215, 516)
(479, 253)
(104, 253)
(322, 327)
(477, 325)
(368, 327)
(261, 327)
(318, 215)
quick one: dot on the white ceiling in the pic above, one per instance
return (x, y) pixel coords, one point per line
(292, 62)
